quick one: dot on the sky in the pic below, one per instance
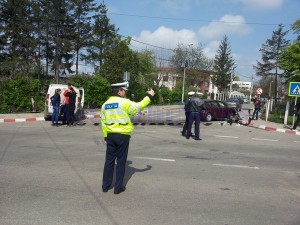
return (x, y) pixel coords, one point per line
(161, 25)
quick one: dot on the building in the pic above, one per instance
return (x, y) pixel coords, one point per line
(246, 85)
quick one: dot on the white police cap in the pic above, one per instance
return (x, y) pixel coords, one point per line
(123, 85)
(191, 93)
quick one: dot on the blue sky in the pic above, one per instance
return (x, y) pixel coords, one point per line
(166, 23)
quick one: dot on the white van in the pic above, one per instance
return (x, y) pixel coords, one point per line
(51, 91)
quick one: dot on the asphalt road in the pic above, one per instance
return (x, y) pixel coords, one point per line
(236, 175)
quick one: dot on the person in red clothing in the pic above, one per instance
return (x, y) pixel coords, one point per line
(71, 97)
(63, 111)
(256, 104)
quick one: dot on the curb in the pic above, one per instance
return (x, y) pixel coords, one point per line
(264, 127)
(18, 120)
(97, 116)
(38, 119)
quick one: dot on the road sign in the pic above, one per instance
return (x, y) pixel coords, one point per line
(259, 91)
(294, 89)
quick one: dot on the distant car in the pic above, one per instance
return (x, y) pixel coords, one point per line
(216, 110)
(234, 103)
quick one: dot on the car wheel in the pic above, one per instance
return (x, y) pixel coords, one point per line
(208, 117)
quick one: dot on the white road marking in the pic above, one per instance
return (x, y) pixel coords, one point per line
(225, 136)
(159, 159)
(26, 126)
(237, 166)
(260, 139)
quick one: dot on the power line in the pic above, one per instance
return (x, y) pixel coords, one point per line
(155, 46)
(197, 20)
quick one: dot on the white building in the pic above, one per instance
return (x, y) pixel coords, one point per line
(243, 84)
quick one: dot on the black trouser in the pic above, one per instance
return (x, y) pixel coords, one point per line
(116, 149)
(193, 116)
(70, 114)
(185, 124)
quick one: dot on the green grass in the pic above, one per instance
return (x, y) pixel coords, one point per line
(278, 117)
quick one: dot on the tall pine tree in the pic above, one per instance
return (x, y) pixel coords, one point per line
(17, 41)
(223, 66)
(271, 50)
(81, 13)
(104, 35)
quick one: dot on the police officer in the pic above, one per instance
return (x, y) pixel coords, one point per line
(194, 107)
(117, 128)
(187, 112)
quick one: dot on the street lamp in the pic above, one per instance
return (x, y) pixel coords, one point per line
(184, 68)
(230, 87)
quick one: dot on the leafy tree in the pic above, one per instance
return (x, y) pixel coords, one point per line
(290, 57)
(194, 60)
(121, 59)
(20, 101)
(223, 66)
(271, 51)
(97, 89)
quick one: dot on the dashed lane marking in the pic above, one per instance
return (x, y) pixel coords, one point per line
(261, 139)
(237, 166)
(159, 159)
(225, 136)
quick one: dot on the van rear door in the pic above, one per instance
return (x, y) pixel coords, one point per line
(81, 91)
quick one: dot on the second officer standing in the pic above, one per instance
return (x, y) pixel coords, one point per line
(194, 107)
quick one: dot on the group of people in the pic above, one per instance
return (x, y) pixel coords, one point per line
(64, 106)
(192, 114)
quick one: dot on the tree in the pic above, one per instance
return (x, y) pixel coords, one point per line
(290, 57)
(223, 66)
(81, 10)
(17, 41)
(271, 51)
(194, 61)
(104, 36)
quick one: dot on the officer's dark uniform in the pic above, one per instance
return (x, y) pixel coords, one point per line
(194, 107)
(187, 112)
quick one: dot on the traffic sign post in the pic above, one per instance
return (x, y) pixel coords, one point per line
(259, 91)
(294, 89)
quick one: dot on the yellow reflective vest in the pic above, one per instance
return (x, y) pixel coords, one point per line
(116, 114)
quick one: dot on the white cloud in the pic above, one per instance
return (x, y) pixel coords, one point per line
(228, 24)
(263, 4)
(210, 49)
(167, 37)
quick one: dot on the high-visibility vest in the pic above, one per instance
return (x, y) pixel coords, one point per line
(116, 114)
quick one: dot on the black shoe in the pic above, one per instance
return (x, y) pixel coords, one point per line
(120, 191)
(198, 139)
(187, 137)
(104, 190)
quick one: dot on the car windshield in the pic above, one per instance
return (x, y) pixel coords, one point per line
(222, 105)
